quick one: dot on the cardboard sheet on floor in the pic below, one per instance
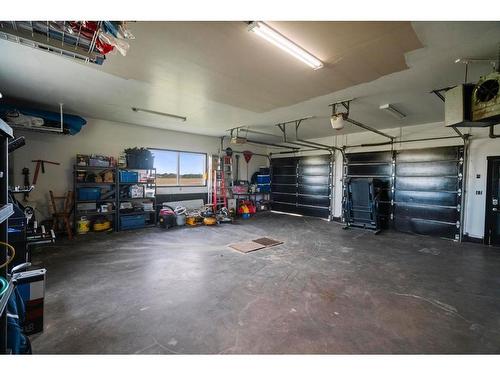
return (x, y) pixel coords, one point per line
(267, 242)
(246, 247)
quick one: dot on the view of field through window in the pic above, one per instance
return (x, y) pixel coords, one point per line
(179, 168)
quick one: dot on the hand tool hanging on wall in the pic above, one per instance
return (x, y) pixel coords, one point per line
(41, 163)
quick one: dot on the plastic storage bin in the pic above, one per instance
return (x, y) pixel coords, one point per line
(133, 221)
(264, 188)
(263, 179)
(89, 193)
(129, 176)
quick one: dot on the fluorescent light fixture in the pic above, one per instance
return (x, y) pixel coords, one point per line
(338, 121)
(393, 111)
(182, 118)
(272, 36)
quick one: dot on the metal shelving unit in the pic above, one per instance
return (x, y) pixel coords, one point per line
(5, 212)
(124, 196)
(52, 37)
(78, 213)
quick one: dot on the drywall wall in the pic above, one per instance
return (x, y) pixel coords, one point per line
(107, 138)
(481, 146)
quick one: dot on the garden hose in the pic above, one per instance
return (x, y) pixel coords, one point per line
(179, 210)
(11, 258)
(4, 285)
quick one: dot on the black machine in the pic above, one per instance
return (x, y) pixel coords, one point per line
(167, 217)
(24, 231)
(362, 197)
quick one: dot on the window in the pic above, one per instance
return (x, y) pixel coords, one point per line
(178, 168)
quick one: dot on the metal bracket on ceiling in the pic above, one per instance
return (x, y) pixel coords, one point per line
(296, 142)
(346, 105)
(297, 122)
(439, 94)
(492, 132)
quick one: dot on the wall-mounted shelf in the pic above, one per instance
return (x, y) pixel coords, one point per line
(53, 37)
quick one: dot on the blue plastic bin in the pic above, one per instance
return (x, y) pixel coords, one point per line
(133, 221)
(89, 193)
(264, 188)
(129, 176)
(263, 179)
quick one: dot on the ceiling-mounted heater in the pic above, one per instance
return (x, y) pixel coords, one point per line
(470, 105)
(486, 99)
(458, 107)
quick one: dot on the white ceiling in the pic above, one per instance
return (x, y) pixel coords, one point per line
(220, 76)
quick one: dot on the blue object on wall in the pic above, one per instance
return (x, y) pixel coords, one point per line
(72, 123)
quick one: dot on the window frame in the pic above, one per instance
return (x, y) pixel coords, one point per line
(179, 166)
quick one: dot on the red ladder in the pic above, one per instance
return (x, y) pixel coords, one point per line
(219, 187)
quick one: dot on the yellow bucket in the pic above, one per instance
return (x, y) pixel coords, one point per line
(101, 227)
(191, 220)
(83, 225)
(210, 221)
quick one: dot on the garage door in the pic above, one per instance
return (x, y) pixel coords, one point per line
(376, 165)
(424, 194)
(427, 194)
(302, 185)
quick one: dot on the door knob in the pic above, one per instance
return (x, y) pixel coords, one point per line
(495, 209)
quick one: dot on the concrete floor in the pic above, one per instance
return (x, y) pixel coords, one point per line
(326, 290)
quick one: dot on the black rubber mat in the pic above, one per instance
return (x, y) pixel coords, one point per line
(267, 242)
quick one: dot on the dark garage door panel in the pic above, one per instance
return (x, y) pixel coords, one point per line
(311, 200)
(284, 170)
(290, 208)
(429, 154)
(426, 197)
(279, 188)
(426, 194)
(314, 180)
(301, 210)
(430, 228)
(376, 165)
(308, 185)
(427, 184)
(314, 190)
(284, 161)
(287, 198)
(322, 212)
(425, 169)
(314, 170)
(433, 213)
(315, 160)
(284, 179)
(369, 170)
(370, 157)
